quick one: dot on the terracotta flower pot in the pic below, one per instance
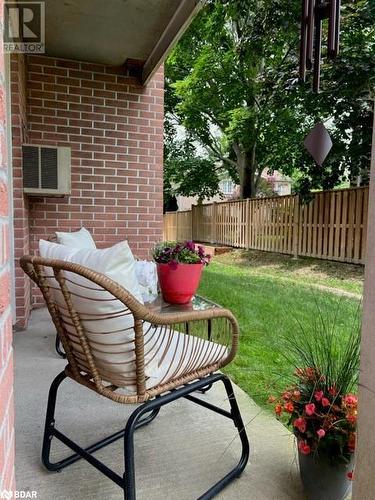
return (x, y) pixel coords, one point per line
(322, 480)
(179, 282)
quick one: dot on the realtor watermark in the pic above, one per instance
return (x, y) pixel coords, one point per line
(8, 494)
(24, 27)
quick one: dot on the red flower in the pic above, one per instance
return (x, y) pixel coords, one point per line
(325, 402)
(321, 433)
(304, 448)
(352, 419)
(350, 475)
(278, 409)
(297, 395)
(332, 390)
(310, 373)
(351, 442)
(286, 395)
(318, 395)
(289, 407)
(351, 400)
(310, 409)
(300, 424)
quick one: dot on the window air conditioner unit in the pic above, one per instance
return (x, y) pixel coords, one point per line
(46, 170)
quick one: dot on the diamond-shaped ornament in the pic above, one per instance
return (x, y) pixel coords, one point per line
(318, 143)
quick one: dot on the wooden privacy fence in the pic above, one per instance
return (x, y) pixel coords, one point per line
(333, 225)
(178, 226)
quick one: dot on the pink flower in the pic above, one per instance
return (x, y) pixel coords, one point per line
(300, 424)
(318, 395)
(321, 433)
(351, 400)
(325, 402)
(304, 448)
(310, 409)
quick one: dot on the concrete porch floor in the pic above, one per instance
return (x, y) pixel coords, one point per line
(178, 456)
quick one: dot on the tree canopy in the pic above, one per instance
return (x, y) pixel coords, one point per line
(232, 82)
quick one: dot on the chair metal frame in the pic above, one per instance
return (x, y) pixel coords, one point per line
(141, 416)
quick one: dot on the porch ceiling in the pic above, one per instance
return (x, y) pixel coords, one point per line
(116, 32)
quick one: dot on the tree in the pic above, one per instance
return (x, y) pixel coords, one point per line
(232, 82)
(187, 173)
(215, 78)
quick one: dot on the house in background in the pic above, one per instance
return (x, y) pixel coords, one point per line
(278, 183)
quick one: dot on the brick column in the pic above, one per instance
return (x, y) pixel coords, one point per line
(20, 201)
(6, 357)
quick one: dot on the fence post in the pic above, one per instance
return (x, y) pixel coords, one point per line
(213, 222)
(247, 224)
(193, 222)
(296, 226)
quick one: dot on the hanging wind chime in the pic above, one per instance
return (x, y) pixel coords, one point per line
(314, 12)
(318, 142)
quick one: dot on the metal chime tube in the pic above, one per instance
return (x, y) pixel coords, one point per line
(313, 14)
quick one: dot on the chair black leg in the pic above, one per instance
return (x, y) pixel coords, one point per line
(58, 346)
(50, 431)
(50, 422)
(238, 422)
(234, 414)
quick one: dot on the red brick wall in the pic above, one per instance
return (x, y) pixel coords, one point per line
(115, 129)
(6, 355)
(20, 201)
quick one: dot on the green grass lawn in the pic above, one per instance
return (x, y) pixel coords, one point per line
(267, 307)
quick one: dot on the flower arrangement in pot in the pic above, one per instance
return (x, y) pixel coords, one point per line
(179, 267)
(320, 407)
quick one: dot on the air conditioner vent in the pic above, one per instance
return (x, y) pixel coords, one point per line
(30, 167)
(49, 170)
(46, 170)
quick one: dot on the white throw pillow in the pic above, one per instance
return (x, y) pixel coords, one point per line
(78, 239)
(147, 279)
(108, 325)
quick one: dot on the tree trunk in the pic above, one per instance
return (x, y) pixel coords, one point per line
(246, 162)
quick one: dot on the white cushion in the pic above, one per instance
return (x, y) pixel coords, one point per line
(116, 262)
(77, 239)
(179, 354)
(107, 323)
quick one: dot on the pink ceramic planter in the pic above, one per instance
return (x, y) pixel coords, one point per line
(179, 283)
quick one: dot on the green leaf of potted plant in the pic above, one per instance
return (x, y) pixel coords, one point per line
(179, 267)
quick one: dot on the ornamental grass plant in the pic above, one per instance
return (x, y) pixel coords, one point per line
(320, 403)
